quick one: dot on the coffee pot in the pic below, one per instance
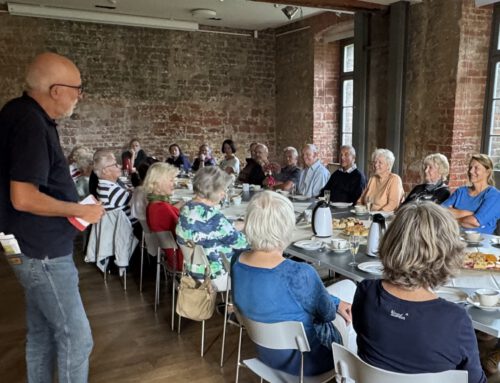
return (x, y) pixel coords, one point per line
(322, 220)
(377, 230)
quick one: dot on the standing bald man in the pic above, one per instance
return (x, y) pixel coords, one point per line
(36, 195)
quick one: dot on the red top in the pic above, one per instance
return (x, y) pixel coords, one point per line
(161, 216)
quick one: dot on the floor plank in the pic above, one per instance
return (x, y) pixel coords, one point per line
(132, 343)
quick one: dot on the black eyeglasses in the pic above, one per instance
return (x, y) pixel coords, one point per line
(79, 88)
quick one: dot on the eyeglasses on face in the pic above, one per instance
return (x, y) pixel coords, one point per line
(79, 88)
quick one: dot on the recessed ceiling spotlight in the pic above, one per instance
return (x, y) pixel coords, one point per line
(203, 13)
(290, 11)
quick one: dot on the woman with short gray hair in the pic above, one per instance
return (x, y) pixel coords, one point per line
(203, 223)
(435, 169)
(401, 323)
(385, 189)
(270, 288)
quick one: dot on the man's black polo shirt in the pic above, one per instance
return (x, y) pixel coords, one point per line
(30, 152)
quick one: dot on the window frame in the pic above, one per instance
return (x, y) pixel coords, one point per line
(344, 76)
(493, 60)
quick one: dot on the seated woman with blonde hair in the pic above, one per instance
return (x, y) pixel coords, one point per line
(477, 206)
(161, 214)
(269, 288)
(401, 324)
(385, 189)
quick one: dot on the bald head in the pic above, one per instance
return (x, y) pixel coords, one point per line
(54, 82)
(47, 69)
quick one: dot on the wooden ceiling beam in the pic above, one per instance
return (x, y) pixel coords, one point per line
(339, 5)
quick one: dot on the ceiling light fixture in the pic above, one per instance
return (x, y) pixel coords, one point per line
(290, 11)
(99, 17)
(203, 13)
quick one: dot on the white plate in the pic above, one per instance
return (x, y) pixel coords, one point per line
(474, 301)
(301, 197)
(356, 213)
(372, 267)
(341, 205)
(308, 244)
(451, 294)
(284, 192)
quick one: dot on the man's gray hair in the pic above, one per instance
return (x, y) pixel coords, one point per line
(352, 151)
(210, 181)
(102, 158)
(313, 148)
(386, 154)
(270, 221)
(291, 149)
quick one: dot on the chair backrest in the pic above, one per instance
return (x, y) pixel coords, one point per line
(165, 239)
(497, 230)
(349, 367)
(277, 336)
(195, 252)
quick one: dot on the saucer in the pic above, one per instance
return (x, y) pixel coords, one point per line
(300, 197)
(473, 243)
(474, 301)
(340, 251)
(451, 294)
(357, 213)
(340, 205)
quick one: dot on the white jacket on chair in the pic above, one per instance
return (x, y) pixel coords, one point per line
(111, 236)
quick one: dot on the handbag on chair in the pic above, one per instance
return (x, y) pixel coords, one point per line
(196, 299)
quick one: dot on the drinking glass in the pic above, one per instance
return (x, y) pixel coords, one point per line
(369, 203)
(326, 194)
(292, 191)
(353, 247)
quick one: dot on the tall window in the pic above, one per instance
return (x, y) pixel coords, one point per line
(492, 127)
(346, 92)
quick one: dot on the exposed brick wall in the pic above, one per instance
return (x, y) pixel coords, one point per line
(326, 99)
(472, 73)
(307, 86)
(446, 76)
(157, 85)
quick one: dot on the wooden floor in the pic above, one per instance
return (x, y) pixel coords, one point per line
(131, 342)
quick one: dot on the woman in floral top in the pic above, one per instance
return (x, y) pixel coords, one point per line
(202, 222)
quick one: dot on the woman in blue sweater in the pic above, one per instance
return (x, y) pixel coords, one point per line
(477, 206)
(270, 288)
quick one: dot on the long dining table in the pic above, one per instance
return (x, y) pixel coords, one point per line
(466, 281)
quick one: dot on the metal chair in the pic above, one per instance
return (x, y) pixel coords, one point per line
(227, 267)
(279, 336)
(145, 241)
(198, 257)
(164, 240)
(350, 368)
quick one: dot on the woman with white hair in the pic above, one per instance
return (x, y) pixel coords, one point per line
(401, 323)
(385, 189)
(435, 169)
(269, 288)
(204, 158)
(203, 223)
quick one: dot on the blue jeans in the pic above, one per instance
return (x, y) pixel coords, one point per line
(58, 328)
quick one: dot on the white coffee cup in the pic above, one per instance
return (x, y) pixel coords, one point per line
(339, 244)
(237, 201)
(256, 187)
(473, 236)
(360, 209)
(246, 187)
(488, 297)
(190, 186)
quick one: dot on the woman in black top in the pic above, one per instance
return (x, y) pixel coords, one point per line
(435, 170)
(177, 158)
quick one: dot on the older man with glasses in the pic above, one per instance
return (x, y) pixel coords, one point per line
(37, 194)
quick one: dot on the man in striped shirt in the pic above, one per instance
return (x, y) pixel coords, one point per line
(111, 194)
